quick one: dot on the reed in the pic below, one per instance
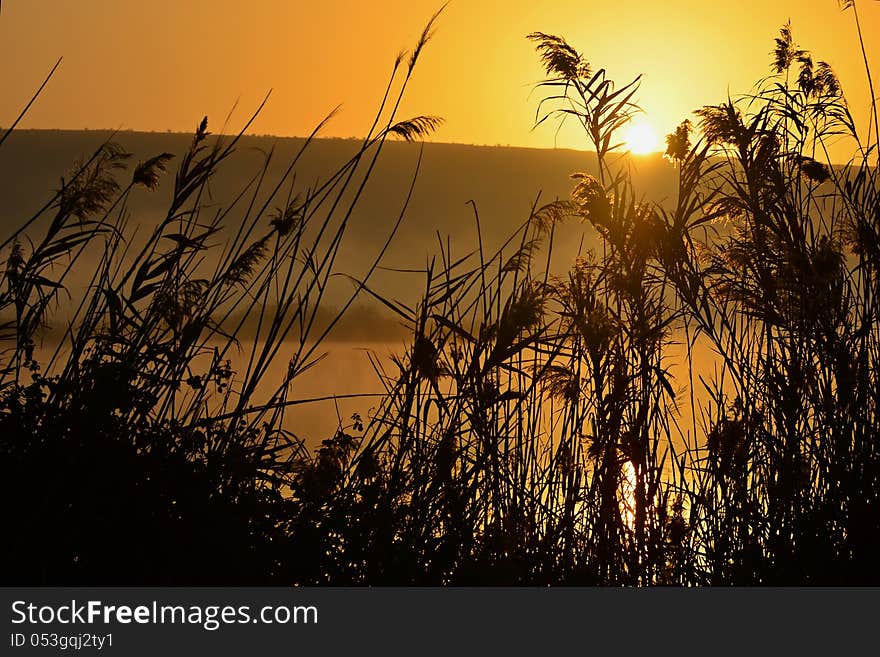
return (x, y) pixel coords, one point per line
(537, 429)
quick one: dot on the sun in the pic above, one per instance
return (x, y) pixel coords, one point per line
(640, 139)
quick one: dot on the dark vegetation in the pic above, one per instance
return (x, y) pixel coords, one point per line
(537, 430)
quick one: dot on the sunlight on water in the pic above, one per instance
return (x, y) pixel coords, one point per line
(628, 495)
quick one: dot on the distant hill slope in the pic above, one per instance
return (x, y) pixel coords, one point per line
(504, 182)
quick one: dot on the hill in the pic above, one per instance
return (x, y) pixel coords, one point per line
(503, 183)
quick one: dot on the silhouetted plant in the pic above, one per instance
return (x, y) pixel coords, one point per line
(538, 429)
(136, 453)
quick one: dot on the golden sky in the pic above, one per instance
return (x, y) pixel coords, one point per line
(162, 64)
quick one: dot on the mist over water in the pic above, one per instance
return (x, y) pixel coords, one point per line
(345, 371)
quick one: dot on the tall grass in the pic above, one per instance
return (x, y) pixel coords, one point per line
(538, 429)
(136, 453)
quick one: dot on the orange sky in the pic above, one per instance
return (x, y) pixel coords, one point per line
(162, 64)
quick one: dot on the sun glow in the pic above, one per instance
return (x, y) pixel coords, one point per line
(640, 139)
